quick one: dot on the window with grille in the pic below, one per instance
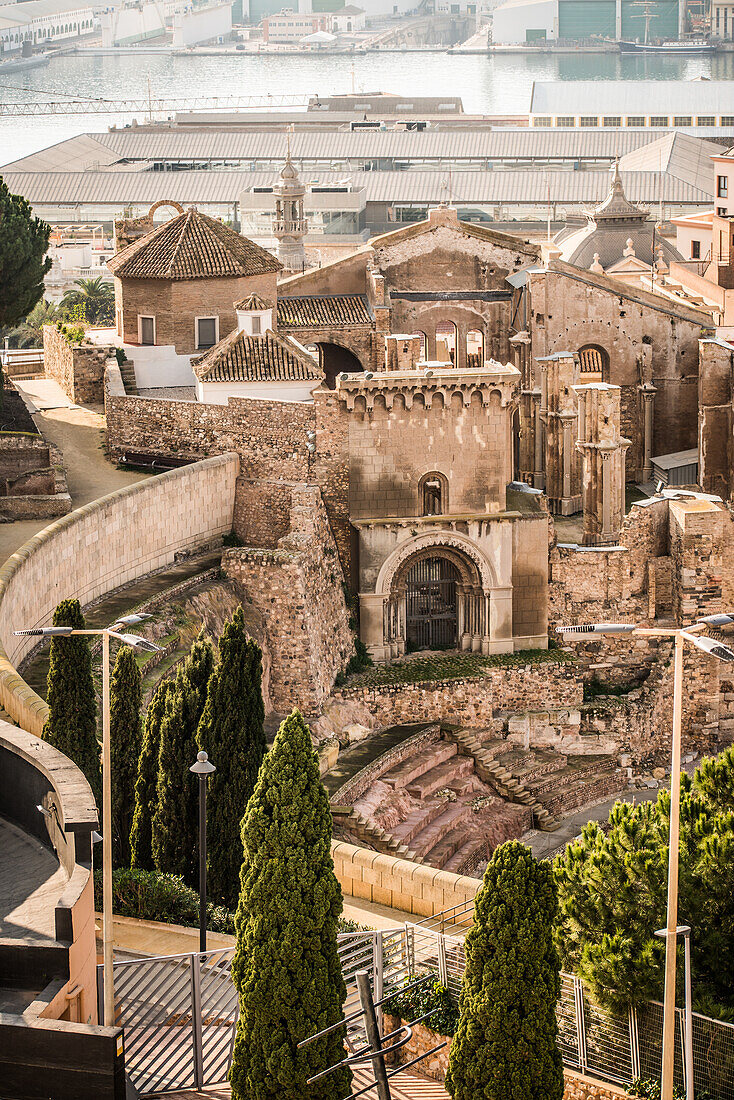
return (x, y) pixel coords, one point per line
(659, 120)
(636, 120)
(683, 120)
(613, 120)
(589, 120)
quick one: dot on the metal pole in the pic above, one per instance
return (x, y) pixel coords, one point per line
(671, 937)
(373, 1034)
(202, 863)
(689, 1017)
(109, 989)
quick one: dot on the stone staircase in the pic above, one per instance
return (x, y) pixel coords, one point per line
(507, 784)
(127, 373)
(372, 836)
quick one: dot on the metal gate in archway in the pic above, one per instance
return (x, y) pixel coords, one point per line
(431, 604)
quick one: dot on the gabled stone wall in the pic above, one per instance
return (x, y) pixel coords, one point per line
(78, 368)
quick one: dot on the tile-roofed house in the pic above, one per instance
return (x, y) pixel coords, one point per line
(270, 365)
(176, 285)
(192, 246)
(316, 311)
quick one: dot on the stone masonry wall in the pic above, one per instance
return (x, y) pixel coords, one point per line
(103, 546)
(78, 369)
(297, 587)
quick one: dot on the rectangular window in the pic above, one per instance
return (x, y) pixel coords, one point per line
(706, 120)
(722, 187)
(566, 121)
(257, 325)
(727, 120)
(721, 211)
(612, 120)
(695, 250)
(589, 120)
(542, 120)
(659, 120)
(206, 331)
(635, 120)
(682, 120)
(146, 329)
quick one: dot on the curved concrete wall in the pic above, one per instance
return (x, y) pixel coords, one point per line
(100, 547)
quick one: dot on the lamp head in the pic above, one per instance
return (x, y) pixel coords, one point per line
(712, 647)
(132, 620)
(584, 630)
(722, 619)
(203, 766)
(46, 632)
(138, 642)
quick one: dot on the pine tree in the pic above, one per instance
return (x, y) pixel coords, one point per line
(286, 966)
(141, 839)
(232, 732)
(126, 700)
(505, 1046)
(23, 246)
(71, 725)
(175, 819)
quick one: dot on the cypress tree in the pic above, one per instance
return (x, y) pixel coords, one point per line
(175, 819)
(233, 734)
(286, 967)
(71, 725)
(505, 1046)
(126, 736)
(141, 838)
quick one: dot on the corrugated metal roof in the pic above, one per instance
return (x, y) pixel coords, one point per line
(632, 97)
(467, 188)
(678, 155)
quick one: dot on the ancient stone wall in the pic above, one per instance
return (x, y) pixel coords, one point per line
(572, 309)
(715, 457)
(297, 588)
(103, 546)
(78, 369)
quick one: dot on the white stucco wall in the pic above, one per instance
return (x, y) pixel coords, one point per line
(159, 365)
(219, 393)
(512, 20)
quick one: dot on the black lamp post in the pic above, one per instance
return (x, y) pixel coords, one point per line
(203, 768)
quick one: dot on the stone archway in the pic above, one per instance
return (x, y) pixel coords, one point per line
(335, 359)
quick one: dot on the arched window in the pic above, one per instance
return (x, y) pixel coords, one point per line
(446, 342)
(424, 343)
(474, 348)
(593, 364)
(433, 494)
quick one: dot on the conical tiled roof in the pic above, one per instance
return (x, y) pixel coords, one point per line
(267, 358)
(253, 303)
(192, 246)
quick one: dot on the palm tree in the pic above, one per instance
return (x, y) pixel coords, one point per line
(94, 298)
(29, 333)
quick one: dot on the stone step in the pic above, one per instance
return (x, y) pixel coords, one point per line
(418, 819)
(127, 373)
(408, 770)
(443, 775)
(441, 853)
(427, 839)
(379, 838)
(462, 854)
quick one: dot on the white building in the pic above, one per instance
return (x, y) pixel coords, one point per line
(348, 20)
(521, 21)
(42, 21)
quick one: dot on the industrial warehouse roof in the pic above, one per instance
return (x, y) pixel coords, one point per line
(242, 358)
(117, 189)
(632, 97)
(254, 147)
(191, 246)
(687, 158)
(313, 311)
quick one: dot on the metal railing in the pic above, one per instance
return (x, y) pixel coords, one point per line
(180, 1012)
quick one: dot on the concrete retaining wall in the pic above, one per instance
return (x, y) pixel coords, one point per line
(100, 547)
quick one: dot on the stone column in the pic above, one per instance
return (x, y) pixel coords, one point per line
(603, 451)
(372, 624)
(559, 374)
(538, 444)
(647, 394)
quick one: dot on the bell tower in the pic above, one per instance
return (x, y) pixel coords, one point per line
(290, 226)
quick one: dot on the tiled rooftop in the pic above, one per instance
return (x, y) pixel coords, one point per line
(192, 246)
(242, 358)
(315, 311)
(253, 302)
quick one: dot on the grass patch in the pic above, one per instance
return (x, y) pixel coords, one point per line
(453, 666)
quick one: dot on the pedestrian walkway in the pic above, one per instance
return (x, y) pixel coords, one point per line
(405, 1086)
(547, 845)
(31, 883)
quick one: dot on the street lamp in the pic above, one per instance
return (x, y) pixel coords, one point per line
(723, 653)
(685, 931)
(150, 647)
(203, 768)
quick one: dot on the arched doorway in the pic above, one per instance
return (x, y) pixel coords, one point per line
(431, 605)
(333, 359)
(593, 363)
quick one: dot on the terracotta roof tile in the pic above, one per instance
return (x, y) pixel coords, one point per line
(267, 358)
(192, 246)
(317, 311)
(253, 302)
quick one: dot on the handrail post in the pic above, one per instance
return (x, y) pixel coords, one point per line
(373, 1034)
(196, 1021)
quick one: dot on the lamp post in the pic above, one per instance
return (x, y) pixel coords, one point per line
(203, 768)
(139, 643)
(685, 931)
(713, 648)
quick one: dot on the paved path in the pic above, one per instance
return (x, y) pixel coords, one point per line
(79, 433)
(547, 845)
(31, 882)
(404, 1086)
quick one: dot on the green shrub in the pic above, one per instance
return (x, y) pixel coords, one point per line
(74, 334)
(430, 997)
(120, 356)
(150, 895)
(231, 539)
(650, 1090)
